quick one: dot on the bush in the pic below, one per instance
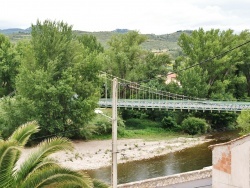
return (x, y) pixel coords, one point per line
(140, 123)
(104, 126)
(243, 122)
(193, 126)
(168, 123)
(135, 123)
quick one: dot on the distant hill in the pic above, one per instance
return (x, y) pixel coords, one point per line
(15, 30)
(155, 43)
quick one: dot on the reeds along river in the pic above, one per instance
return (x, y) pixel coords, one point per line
(189, 159)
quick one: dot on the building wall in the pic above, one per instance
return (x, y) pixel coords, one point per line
(231, 164)
(221, 175)
(240, 164)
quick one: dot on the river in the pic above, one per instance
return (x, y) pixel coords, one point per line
(188, 159)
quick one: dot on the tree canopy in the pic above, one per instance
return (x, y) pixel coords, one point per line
(59, 79)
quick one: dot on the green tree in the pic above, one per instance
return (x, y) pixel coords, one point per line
(201, 46)
(38, 170)
(90, 42)
(8, 66)
(155, 65)
(243, 121)
(193, 82)
(245, 58)
(60, 78)
(13, 112)
(124, 55)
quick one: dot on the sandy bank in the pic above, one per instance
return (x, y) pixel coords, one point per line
(96, 154)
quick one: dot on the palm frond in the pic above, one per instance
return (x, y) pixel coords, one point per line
(46, 148)
(23, 133)
(56, 176)
(100, 184)
(9, 153)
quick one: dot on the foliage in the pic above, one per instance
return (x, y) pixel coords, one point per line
(201, 46)
(126, 58)
(244, 66)
(59, 76)
(219, 120)
(15, 111)
(9, 63)
(135, 123)
(99, 184)
(104, 126)
(124, 55)
(133, 113)
(169, 123)
(101, 124)
(243, 121)
(193, 82)
(38, 170)
(193, 126)
(158, 43)
(155, 65)
(140, 123)
(90, 42)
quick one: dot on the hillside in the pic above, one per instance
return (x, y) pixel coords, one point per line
(155, 43)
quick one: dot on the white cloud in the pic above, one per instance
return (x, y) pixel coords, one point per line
(147, 16)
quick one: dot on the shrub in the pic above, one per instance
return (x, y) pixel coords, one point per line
(193, 126)
(243, 121)
(140, 123)
(135, 123)
(168, 123)
(104, 126)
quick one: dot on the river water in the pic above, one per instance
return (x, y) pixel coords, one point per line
(189, 159)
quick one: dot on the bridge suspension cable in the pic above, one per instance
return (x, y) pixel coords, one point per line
(137, 95)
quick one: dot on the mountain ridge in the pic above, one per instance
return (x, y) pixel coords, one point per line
(155, 43)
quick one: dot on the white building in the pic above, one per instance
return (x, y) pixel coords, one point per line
(231, 164)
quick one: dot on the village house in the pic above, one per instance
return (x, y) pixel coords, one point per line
(172, 77)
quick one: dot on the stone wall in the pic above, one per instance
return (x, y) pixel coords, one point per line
(170, 180)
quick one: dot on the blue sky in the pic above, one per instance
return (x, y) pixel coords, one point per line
(145, 16)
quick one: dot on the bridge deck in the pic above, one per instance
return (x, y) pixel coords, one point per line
(178, 104)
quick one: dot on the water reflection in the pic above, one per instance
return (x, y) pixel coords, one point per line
(186, 160)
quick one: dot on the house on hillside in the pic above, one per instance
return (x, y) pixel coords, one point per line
(231, 163)
(172, 77)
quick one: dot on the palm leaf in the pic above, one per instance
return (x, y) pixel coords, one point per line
(46, 148)
(8, 157)
(38, 170)
(56, 176)
(23, 133)
(99, 184)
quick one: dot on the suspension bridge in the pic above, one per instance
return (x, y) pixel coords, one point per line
(137, 96)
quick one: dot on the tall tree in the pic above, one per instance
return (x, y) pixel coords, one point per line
(90, 42)
(8, 66)
(155, 65)
(244, 66)
(193, 82)
(124, 54)
(201, 46)
(60, 77)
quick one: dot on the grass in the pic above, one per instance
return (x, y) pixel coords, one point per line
(150, 133)
(136, 129)
(141, 129)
